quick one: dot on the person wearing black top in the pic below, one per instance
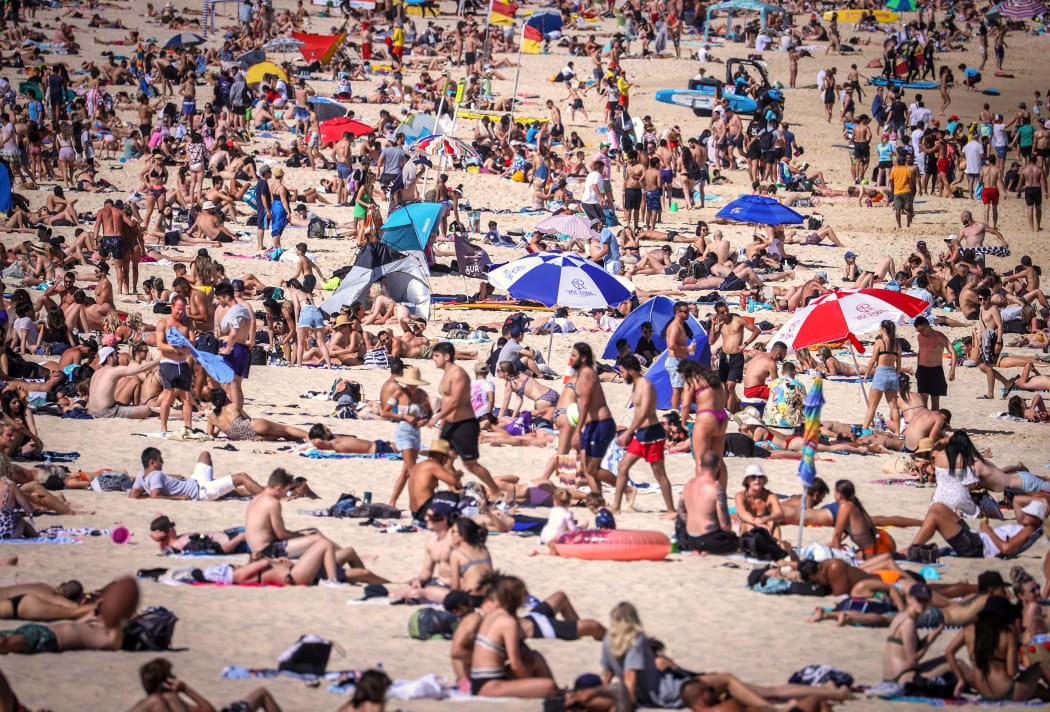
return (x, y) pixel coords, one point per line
(645, 346)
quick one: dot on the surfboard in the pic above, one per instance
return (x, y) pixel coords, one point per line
(881, 81)
(687, 98)
(855, 15)
(737, 102)
(497, 116)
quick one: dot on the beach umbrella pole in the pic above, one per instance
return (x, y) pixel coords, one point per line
(860, 377)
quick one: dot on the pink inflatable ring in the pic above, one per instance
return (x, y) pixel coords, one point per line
(613, 545)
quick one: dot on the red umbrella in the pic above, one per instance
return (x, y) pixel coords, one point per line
(838, 315)
(333, 129)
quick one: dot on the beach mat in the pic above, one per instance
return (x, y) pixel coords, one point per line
(237, 672)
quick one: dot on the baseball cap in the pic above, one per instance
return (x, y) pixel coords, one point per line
(110, 340)
(921, 243)
(919, 591)
(1036, 508)
(104, 353)
(515, 331)
(848, 255)
(953, 117)
(238, 285)
(822, 274)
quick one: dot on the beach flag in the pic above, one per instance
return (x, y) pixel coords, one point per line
(502, 13)
(531, 40)
(811, 407)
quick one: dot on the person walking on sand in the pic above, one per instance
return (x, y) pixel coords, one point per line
(176, 376)
(677, 335)
(645, 437)
(596, 426)
(459, 426)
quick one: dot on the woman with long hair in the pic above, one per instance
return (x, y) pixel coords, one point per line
(993, 644)
(1035, 617)
(885, 364)
(953, 462)
(470, 560)
(852, 520)
(704, 389)
(226, 417)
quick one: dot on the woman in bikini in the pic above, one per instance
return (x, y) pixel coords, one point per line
(832, 366)
(993, 643)
(524, 386)
(228, 418)
(1035, 618)
(156, 178)
(285, 572)
(781, 444)
(14, 508)
(885, 364)
(470, 559)
(704, 389)
(905, 648)
(756, 506)
(501, 664)
(852, 520)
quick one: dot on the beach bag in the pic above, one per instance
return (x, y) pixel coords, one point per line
(150, 630)
(317, 228)
(377, 358)
(987, 505)
(732, 284)
(815, 221)
(772, 586)
(923, 553)
(517, 319)
(609, 217)
(202, 544)
(112, 482)
(309, 656)
(522, 425)
(259, 356)
(759, 544)
(343, 506)
(818, 675)
(432, 624)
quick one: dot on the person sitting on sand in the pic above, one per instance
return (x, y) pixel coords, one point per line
(434, 580)
(101, 394)
(228, 418)
(424, 478)
(904, 650)
(162, 531)
(152, 482)
(523, 384)
(702, 523)
(166, 693)
(268, 538)
(469, 560)
(321, 437)
(1004, 540)
(852, 520)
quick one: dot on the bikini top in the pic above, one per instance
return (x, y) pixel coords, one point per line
(472, 562)
(486, 643)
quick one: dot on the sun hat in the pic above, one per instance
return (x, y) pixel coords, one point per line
(278, 172)
(925, 445)
(438, 447)
(1036, 508)
(755, 471)
(411, 378)
(342, 320)
(748, 416)
(208, 205)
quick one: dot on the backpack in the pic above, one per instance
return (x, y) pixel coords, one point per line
(432, 624)
(308, 656)
(342, 508)
(150, 630)
(519, 320)
(759, 544)
(259, 356)
(765, 141)
(815, 221)
(316, 229)
(202, 544)
(732, 284)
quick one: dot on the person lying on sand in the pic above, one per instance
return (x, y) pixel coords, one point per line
(227, 418)
(826, 515)
(162, 531)
(201, 485)
(167, 693)
(321, 437)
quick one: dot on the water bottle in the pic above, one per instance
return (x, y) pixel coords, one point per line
(880, 423)
(674, 543)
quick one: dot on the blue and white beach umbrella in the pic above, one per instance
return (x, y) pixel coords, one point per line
(561, 278)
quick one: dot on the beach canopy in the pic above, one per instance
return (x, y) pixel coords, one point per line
(901, 5)
(5, 190)
(561, 278)
(319, 47)
(760, 209)
(404, 274)
(731, 6)
(184, 39)
(326, 108)
(546, 21)
(410, 227)
(416, 126)
(257, 72)
(332, 130)
(659, 311)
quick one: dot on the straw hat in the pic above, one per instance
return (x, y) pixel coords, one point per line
(748, 416)
(438, 447)
(278, 172)
(342, 320)
(411, 378)
(925, 445)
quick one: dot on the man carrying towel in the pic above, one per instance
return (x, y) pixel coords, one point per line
(234, 320)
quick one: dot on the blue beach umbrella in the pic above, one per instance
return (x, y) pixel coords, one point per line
(326, 108)
(184, 39)
(561, 278)
(546, 21)
(410, 227)
(760, 209)
(658, 311)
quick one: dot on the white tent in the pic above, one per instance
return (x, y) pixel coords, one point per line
(405, 276)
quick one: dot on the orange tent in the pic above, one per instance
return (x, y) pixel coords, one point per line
(319, 47)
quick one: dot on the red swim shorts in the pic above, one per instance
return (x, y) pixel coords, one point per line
(990, 196)
(757, 392)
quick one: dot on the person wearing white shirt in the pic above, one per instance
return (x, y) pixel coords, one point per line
(974, 153)
(591, 199)
(762, 42)
(916, 141)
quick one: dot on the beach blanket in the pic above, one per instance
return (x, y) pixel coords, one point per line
(236, 672)
(903, 481)
(315, 454)
(60, 535)
(48, 456)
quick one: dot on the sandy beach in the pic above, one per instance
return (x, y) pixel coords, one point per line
(698, 606)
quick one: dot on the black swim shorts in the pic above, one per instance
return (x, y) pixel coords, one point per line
(731, 368)
(463, 437)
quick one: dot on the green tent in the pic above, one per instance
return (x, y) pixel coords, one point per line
(901, 5)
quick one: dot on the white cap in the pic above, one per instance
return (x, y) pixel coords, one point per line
(208, 205)
(1036, 508)
(953, 237)
(106, 351)
(754, 471)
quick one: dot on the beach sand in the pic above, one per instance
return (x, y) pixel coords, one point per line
(697, 606)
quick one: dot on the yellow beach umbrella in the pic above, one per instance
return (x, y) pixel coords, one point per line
(257, 71)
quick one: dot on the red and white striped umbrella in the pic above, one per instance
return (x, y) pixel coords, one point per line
(443, 146)
(1022, 9)
(840, 315)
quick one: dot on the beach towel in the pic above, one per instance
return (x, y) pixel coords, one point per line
(315, 454)
(903, 481)
(236, 672)
(48, 456)
(214, 364)
(60, 535)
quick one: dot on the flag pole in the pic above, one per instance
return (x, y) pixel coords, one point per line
(517, 73)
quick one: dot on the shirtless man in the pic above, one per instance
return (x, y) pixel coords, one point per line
(268, 537)
(596, 427)
(200, 310)
(651, 186)
(1028, 276)
(209, 224)
(175, 372)
(237, 335)
(162, 532)
(730, 329)
(929, 374)
(1033, 184)
(761, 369)
(425, 477)
(718, 245)
(460, 427)
(702, 523)
(991, 177)
(997, 479)
(645, 437)
(322, 438)
(434, 580)
(972, 234)
(109, 225)
(991, 341)
(103, 287)
(656, 261)
(678, 347)
(101, 403)
(632, 189)
(667, 163)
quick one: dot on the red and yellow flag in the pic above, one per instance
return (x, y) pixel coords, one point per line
(531, 38)
(502, 13)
